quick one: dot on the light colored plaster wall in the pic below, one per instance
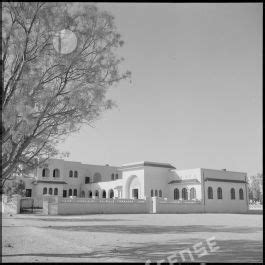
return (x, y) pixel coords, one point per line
(91, 206)
(127, 176)
(100, 186)
(188, 187)
(174, 207)
(53, 164)
(156, 178)
(39, 188)
(105, 172)
(225, 204)
(189, 174)
(73, 182)
(184, 175)
(11, 205)
(84, 170)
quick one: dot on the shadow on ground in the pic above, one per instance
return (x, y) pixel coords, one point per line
(229, 251)
(71, 220)
(152, 229)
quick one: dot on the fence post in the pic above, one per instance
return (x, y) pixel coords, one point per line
(154, 200)
(45, 207)
(17, 199)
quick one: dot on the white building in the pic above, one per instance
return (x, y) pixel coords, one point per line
(217, 190)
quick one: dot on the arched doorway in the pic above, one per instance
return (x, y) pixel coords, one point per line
(111, 194)
(104, 195)
(133, 188)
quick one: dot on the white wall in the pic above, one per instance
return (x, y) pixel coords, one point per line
(11, 205)
(107, 186)
(225, 204)
(189, 174)
(97, 206)
(156, 178)
(179, 186)
(185, 175)
(84, 170)
(130, 175)
(161, 206)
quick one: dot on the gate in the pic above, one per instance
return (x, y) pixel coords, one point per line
(26, 205)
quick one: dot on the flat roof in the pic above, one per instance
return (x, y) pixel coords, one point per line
(85, 164)
(184, 181)
(147, 164)
(225, 180)
(49, 181)
(210, 169)
(224, 170)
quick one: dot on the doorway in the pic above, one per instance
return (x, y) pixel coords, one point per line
(28, 192)
(135, 193)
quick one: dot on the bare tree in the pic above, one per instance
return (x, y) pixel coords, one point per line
(47, 94)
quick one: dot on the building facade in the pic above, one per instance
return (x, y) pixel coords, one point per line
(217, 190)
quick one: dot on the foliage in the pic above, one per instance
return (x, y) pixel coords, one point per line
(256, 188)
(46, 94)
(17, 187)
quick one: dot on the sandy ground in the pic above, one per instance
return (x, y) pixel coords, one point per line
(131, 238)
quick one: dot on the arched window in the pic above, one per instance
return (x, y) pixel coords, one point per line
(210, 193)
(155, 192)
(117, 176)
(56, 173)
(104, 195)
(184, 194)
(219, 193)
(160, 193)
(111, 193)
(89, 194)
(82, 194)
(70, 193)
(192, 193)
(112, 176)
(96, 193)
(45, 190)
(75, 192)
(176, 194)
(55, 191)
(233, 194)
(50, 191)
(97, 177)
(76, 174)
(45, 172)
(70, 174)
(241, 194)
(152, 193)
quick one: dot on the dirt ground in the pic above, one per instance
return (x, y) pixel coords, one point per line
(132, 238)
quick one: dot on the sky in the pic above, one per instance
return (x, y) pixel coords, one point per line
(195, 99)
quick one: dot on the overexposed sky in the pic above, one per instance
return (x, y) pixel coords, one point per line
(196, 94)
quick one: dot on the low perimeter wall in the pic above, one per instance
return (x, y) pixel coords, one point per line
(11, 204)
(57, 205)
(162, 206)
(64, 206)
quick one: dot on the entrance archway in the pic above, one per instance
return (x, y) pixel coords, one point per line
(132, 187)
